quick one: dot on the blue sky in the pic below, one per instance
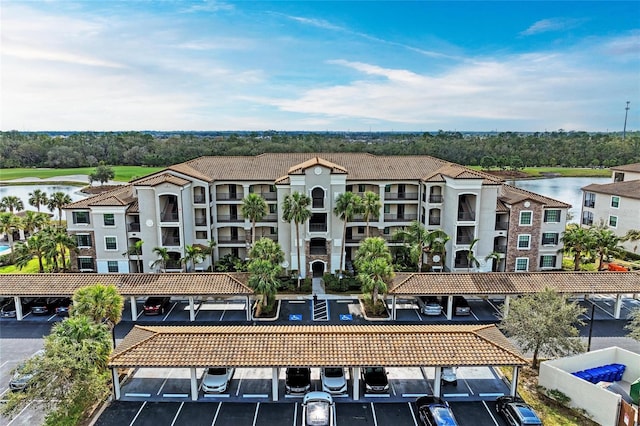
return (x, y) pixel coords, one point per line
(320, 65)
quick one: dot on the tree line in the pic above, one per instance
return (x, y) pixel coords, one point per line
(507, 149)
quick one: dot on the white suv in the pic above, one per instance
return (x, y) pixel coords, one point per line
(333, 380)
(216, 379)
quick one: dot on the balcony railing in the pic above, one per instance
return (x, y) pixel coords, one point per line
(134, 227)
(201, 222)
(231, 240)
(198, 199)
(317, 227)
(500, 248)
(270, 218)
(502, 226)
(400, 195)
(169, 217)
(230, 218)
(400, 217)
(435, 198)
(318, 250)
(434, 220)
(355, 238)
(466, 216)
(463, 239)
(587, 222)
(170, 241)
(228, 196)
(269, 196)
(590, 203)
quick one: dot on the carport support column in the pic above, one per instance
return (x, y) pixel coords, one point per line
(275, 373)
(355, 378)
(134, 308)
(514, 381)
(116, 383)
(192, 311)
(248, 308)
(437, 382)
(505, 309)
(449, 307)
(18, 304)
(194, 384)
(393, 307)
(618, 307)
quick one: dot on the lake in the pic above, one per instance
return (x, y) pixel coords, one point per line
(565, 189)
(22, 192)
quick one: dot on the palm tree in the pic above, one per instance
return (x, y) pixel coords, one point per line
(38, 198)
(295, 208)
(50, 247)
(606, 243)
(34, 246)
(11, 203)
(254, 208)
(192, 255)
(472, 261)
(371, 206)
(494, 256)
(209, 251)
(9, 223)
(82, 331)
(347, 206)
(136, 250)
(263, 278)
(163, 257)
(375, 272)
(632, 235)
(577, 241)
(422, 241)
(267, 249)
(102, 303)
(56, 202)
(33, 221)
(65, 243)
(372, 248)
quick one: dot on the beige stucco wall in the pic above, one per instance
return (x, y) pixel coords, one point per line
(600, 404)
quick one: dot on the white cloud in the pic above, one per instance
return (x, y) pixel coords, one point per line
(551, 24)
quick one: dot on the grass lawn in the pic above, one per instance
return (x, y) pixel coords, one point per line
(123, 173)
(31, 268)
(560, 171)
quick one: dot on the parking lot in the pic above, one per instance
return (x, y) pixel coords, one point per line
(283, 413)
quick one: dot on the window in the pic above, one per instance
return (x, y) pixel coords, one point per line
(552, 216)
(83, 240)
(361, 187)
(613, 221)
(85, 264)
(109, 219)
(273, 230)
(360, 229)
(526, 217)
(589, 199)
(618, 177)
(201, 235)
(587, 218)
(550, 239)
(524, 241)
(387, 188)
(522, 264)
(80, 217)
(387, 208)
(386, 231)
(317, 195)
(615, 202)
(110, 243)
(273, 208)
(548, 261)
(112, 266)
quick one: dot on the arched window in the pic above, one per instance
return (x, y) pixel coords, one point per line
(317, 196)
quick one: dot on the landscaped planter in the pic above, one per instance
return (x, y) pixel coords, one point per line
(386, 317)
(274, 317)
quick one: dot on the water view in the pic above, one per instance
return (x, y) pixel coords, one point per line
(22, 192)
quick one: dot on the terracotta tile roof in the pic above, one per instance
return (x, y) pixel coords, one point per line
(315, 346)
(134, 207)
(514, 283)
(501, 207)
(628, 189)
(510, 195)
(191, 284)
(155, 180)
(457, 171)
(634, 167)
(120, 196)
(316, 161)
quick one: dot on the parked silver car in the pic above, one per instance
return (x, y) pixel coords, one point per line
(217, 379)
(318, 409)
(22, 377)
(333, 380)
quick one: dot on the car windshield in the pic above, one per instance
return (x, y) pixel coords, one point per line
(333, 372)
(217, 371)
(318, 413)
(443, 416)
(375, 370)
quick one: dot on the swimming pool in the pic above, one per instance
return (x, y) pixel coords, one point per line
(4, 248)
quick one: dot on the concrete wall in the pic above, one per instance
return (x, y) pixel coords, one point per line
(600, 404)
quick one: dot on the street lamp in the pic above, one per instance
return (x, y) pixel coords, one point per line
(593, 311)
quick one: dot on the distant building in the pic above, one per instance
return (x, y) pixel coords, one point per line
(201, 200)
(616, 204)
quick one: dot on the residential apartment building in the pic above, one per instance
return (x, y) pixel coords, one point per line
(615, 204)
(201, 200)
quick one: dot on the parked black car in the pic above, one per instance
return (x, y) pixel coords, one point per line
(516, 412)
(9, 310)
(63, 307)
(156, 305)
(461, 306)
(298, 380)
(434, 411)
(375, 379)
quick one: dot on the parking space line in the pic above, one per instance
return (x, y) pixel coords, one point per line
(51, 317)
(297, 301)
(345, 301)
(495, 308)
(20, 413)
(414, 395)
(222, 315)
(377, 395)
(164, 382)
(295, 413)
(218, 395)
(170, 310)
(373, 411)
(138, 413)
(213, 422)
(474, 315)
(494, 394)
(415, 421)
(255, 416)
(459, 373)
(177, 414)
(137, 395)
(255, 395)
(240, 383)
(490, 413)
(175, 395)
(455, 395)
(393, 388)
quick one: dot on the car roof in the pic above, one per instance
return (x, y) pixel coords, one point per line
(527, 414)
(442, 415)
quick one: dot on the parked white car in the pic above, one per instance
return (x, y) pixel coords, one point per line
(333, 380)
(217, 379)
(318, 409)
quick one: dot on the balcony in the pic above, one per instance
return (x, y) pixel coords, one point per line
(502, 226)
(201, 222)
(317, 227)
(318, 251)
(231, 240)
(400, 217)
(434, 220)
(230, 218)
(170, 241)
(354, 238)
(464, 239)
(228, 196)
(590, 203)
(500, 248)
(169, 217)
(134, 227)
(269, 196)
(198, 199)
(400, 195)
(435, 199)
(466, 216)
(587, 221)
(269, 218)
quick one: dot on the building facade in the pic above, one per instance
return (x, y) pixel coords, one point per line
(198, 201)
(616, 204)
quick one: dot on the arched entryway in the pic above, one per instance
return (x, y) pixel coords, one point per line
(317, 269)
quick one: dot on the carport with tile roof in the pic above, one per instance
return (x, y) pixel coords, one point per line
(513, 284)
(314, 346)
(188, 285)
